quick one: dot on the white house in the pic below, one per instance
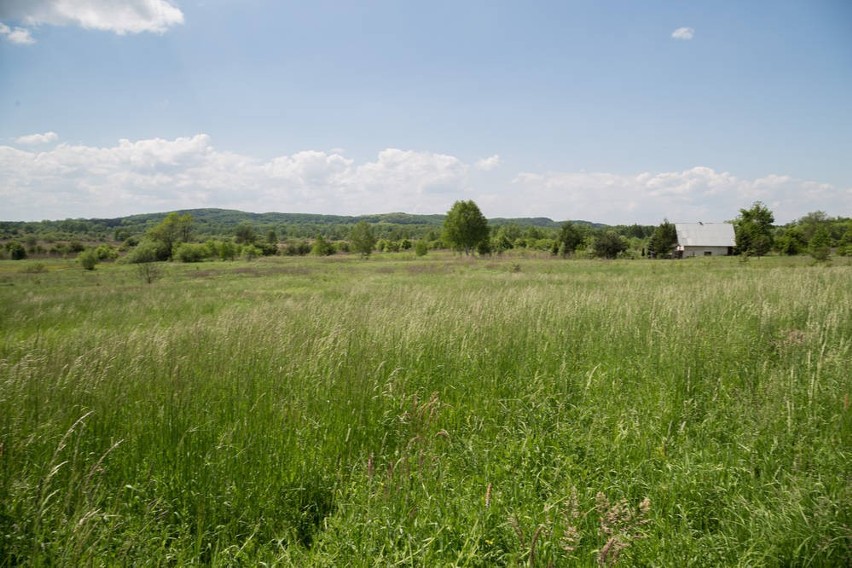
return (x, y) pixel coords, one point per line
(704, 239)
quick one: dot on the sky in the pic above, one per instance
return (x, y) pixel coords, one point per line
(612, 111)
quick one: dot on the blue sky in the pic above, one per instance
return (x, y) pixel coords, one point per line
(612, 111)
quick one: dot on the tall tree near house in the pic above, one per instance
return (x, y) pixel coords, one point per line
(465, 227)
(753, 229)
(664, 239)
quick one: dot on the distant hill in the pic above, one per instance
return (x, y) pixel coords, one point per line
(223, 222)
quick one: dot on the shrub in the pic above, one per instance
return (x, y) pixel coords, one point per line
(148, 251)
(37, 268)
(106, 252)
(251, 252)
(88, 259)
(16, 250)
(421, 247)
(322, 247)
(149, 271)
(225, 250)
(297, 248)
(191, 252)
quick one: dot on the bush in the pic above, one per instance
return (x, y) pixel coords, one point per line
(322, 247)
(37, 268)
(191, 252)
(88, 259)
(251, 252)
(297, 248)
(106, 252)
(16, 250)
(225, 250)
(266, 248)
(149, 271)
(421, 247)
(148, 251)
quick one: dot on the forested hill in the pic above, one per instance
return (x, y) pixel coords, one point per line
(223, 222)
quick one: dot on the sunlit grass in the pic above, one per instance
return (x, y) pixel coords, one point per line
(338, 411)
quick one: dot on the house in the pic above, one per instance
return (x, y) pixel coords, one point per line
(704, 239)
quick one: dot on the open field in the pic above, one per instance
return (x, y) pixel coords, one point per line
(430, 412)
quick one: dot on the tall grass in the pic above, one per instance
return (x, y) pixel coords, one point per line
(428, 412)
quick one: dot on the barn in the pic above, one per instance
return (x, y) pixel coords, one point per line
(704, 239)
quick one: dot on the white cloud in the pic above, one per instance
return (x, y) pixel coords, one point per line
(696, 194)
(118, 16)
(683, 33)
(487, 164)
(19, 36)
(33, 139)
(156, 175)
(160, 175)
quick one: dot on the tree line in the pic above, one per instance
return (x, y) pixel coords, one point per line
(181, 236)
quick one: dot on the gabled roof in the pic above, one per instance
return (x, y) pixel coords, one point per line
(705, 234)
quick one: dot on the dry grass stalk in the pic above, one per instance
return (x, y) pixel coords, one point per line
(570, 514)
(621, 524)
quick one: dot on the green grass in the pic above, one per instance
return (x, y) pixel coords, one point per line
(336, 412)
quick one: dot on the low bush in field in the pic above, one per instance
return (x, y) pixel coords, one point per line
(192, 252)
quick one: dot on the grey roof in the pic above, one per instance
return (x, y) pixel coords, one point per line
(705, 234)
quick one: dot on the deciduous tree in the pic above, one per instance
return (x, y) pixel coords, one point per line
(570, 237)
(171, 231)
(363, 239)
(609, 244)
(664, 239)
(753, 229)
(465, 226)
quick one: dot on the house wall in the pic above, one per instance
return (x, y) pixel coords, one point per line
(701, 251)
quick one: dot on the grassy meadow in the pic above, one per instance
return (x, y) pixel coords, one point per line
(436, 411)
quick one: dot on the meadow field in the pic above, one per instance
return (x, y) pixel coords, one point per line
(435, 411)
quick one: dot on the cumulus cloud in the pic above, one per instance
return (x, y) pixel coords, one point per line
(487, 164)
(33, 139)
(683, 34)
(16, 35)
(160, 175)
(157, 174)
(696, 194)
(117, 16)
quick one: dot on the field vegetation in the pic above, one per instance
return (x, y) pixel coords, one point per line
(426, 410)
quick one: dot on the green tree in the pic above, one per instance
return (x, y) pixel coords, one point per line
(245, 234)
(173, 230)
(753, 229)
(465, 226)
(570, 237)
(664, 239)
(810, 223)
(609, 245)
(362, 238)
(790, 241)
(820, 244)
